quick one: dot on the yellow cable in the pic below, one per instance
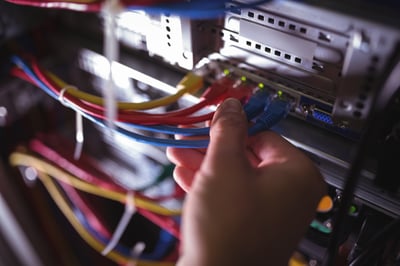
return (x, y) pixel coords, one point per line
(18, 158)
(68, 213)
(191, 83)
(80, 229)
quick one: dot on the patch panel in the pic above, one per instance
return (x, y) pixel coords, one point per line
(335, 53)
(309, 107)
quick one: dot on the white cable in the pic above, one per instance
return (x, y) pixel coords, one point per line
(111, 51)
(136, 251)
(79, 138)
(129, 211)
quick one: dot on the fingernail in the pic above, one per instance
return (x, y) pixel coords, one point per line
(231, 105)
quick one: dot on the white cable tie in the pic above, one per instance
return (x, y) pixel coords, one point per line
(129, 211)
(62, 93)
(79, 137)
(136, 251)
(111, 9)
(78, 123)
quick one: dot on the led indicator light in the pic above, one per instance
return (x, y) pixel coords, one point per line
(352, 209)
(325, 204)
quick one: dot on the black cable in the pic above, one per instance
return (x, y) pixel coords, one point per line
(390, 231)
(373, 127)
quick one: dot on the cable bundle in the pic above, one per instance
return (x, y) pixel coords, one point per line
(67, 181)
(130, 119)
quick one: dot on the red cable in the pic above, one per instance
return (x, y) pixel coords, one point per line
(142, 118)
(78, 201)
(165, 222)
(87, 7)
(62, 160)
(148, 2)
(82, 7)
(218, 91)
(86, 169)
(212, 95)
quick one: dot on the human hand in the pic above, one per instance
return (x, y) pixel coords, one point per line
(250, 200)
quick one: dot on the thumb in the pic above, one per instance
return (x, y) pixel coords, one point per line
(227, 139)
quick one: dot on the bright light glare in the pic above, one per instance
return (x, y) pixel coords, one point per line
(3, 111)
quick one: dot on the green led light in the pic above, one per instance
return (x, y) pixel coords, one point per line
(226, 72)
(261, 85)
(243, 78)
(279, 93)
(352, 209)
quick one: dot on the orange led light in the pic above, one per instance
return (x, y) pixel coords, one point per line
(325, 204)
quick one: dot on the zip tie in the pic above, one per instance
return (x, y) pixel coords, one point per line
(78, 135)
(78, 123)
(136, 251)
(62, 93)
(129, 211)
(110, 9)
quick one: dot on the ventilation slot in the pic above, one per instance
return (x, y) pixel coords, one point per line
(367, 87)
(357, 114)
(233, 38)
(318, 67)
(324, 37)
(168, 35)
(275, 52)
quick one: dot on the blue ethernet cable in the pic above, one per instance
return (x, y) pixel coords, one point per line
(266, 120)
(276, 111)
(137, 137)
(196, 8)
(82, 219)
(163, 246)
(192, 9)
(21, 64)
(254, 106)
(178, 143)
(257, 103)
(170, 130)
